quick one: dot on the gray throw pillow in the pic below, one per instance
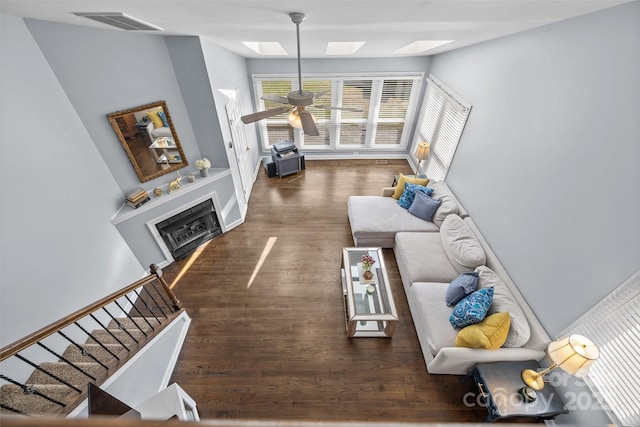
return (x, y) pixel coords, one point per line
(424, 207)
(460, 287)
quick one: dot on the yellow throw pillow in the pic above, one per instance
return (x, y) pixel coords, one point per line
(491, 333)
(402, 179)
(155, 118)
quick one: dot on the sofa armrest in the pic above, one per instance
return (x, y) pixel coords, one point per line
(388, 191)
(460, 360)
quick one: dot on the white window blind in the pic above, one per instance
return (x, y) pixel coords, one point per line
(444, 115)
(387, 102)
(614, 327)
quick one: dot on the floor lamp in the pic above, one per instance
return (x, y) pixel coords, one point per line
(422, 153)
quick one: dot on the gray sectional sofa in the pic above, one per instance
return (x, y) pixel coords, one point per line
(429, 256)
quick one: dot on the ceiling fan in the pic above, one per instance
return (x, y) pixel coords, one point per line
(295, 101)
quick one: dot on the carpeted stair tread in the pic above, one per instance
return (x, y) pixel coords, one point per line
(74, 354)
(105, 338)
(140, 322)
(64, 371)
(32, 404)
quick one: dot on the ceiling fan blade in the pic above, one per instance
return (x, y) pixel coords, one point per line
(275, 98)
(308, 124)
(328, 107)
(250, 118)
(320, 94)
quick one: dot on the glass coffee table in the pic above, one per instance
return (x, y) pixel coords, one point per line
(368, 303)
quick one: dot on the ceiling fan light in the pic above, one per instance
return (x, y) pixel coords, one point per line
(294, 118)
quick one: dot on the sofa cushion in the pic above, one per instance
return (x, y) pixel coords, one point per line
(460, 287)
(409, 194)
(503, 300)
(471, 309)
(491, 333)
(433, 313)
(402, 179)
(461, 245)
(377, 217)
(421, 258)
(449, 204)
(424, 206)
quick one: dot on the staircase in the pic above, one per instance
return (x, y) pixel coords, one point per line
(57, 387)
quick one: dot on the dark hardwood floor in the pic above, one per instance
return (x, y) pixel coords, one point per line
(267, 339)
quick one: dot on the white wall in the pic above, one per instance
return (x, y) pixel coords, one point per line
(58, 251)
(549, 163)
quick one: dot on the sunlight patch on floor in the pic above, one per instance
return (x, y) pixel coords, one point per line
(192, 258)
(265, 253)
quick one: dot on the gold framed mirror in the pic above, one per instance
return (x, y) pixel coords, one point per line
(149, 139)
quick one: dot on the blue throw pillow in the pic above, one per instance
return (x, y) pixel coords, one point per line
(409, 194)
(165, 122)
(423, 206)
(460, 287)
(472, 309)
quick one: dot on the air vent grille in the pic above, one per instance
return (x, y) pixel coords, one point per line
(119, 20)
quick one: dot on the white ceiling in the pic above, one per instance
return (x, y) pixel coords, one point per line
(385, 25)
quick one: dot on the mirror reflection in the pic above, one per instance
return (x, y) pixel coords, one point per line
(150, 140)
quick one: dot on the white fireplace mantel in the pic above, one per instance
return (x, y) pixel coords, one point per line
(126, 212)
(133, 224)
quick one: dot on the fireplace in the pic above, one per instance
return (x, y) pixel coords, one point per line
(184, 232)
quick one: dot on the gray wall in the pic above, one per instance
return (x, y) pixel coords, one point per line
(195, 86)
(103, 71)
(228, 72)
(549, 163)
(58, 251)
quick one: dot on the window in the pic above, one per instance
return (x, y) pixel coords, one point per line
(444, 115)
(387, 102)
(614, 326)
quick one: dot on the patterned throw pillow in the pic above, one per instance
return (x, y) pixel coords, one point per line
(409, 194)
(162, 116)
(472, 309)
(402, 180)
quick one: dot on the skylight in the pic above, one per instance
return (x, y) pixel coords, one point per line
(266, 48)
(343, 48)
(420, 46)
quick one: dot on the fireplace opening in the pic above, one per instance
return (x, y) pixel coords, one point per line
(184, 232)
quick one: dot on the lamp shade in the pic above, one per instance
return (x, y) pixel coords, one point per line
(422, 152)
(573, 354)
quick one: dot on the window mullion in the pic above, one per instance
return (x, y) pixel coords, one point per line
(336, 115)
(374, 111)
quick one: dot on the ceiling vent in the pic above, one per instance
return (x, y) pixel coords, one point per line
(119, 20)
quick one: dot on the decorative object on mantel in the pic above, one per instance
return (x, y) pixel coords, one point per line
(175, 184)
(367, 263)
(137, 198)
(157, 192)
(203, 166)
(191, 177)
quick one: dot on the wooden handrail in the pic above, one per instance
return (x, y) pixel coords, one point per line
(29, 340)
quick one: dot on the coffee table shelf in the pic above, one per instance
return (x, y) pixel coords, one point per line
(368, 304)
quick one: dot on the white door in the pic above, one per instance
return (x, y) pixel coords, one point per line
(240, 145)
